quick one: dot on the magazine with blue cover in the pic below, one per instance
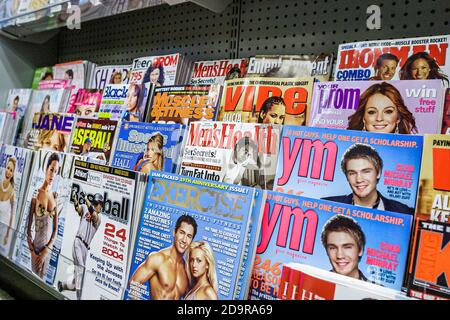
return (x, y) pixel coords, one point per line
(190, 239)
(362, 243)
(145, 146)
(376, 170)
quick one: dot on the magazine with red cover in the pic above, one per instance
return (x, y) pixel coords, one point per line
(217, 71)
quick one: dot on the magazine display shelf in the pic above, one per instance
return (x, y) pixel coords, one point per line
(241, 29)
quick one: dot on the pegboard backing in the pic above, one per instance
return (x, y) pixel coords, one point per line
(187, 28)
(315, 26)
(248, 27)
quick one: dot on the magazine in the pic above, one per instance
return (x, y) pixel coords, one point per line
(114, 101)
(159, 70)
(362, 243)
(18, 100)
(404, 59)
(217, 71)
(94, 139)
(96, 238)
(43, 73)
(42, 224)
(87, 102)
(433, 200)
(185, 220)
(51, 131)
(148, 146)
(117, 74)
(15, 164)
(363, 168)
(294, 66)
(266, 100)
(446, 117)
(237, 153)
(403, 106)
(184, 104)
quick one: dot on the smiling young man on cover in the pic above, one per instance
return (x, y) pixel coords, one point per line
(362, 166)
(165, 270)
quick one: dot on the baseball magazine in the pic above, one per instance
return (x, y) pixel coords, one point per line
(266, 100)
(114, 100)
(184, 104)
(397, 59)
(51, 131)
(96, 240)
(433, 200)
(148, 146)
(430, 259)
(297, 229)
(295, 66)
(237, 153)
(406, 106)
(116, 74)
(42, 224)
(87, 102)
(15, 164)
(94, 139)
(183, 220)
(363, 168)
(217, 71)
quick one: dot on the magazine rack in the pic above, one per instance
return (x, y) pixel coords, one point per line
(241, 29)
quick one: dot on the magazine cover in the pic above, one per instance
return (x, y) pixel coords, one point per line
(96, 239)
(190, 239)
(368, 169)
(295, 66)
(433, 201)
(51, 131)
(398, 59)
(429, 267)
(148, 146)
(237, 153)
(159, 70)
(93, 139)
(18, 100)
(184, 104)
(446, 118)
(362, 243)
(15, 166)
(303, 282)
(41, 228)
(403, 106)
(43, 73)
(266, 100)
(113, 103)
(103, 75)
(74, 71)
(87, 102)
(217, 71)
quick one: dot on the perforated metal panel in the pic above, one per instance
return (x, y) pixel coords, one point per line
(186, 28)
(249, 27)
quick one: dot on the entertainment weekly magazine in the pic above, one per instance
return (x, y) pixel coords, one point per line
(222, 215)
(140, 145)
(216, 71)
(100, 247)
(93, 139)
(404, 59)
(253, 100)
(433, 200)
(237, 153)
(311, 159)
(291, 230)
(117, 74)
(19, 161)
(417, 105)
(44, 214)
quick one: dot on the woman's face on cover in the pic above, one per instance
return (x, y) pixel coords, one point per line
(51, 171)
(381, 114)
(152, 152)
(85, 110)
(52, 143)
(420, 69)
(131, 101)
(9, 172)
(46, 105)
(154, 76)
(275, 115)
(117, 78)
(197, 263)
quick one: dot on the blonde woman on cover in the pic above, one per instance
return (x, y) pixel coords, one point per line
(200, 269)
(7, 199)
(52, 140)
(153, 157)
(43, 217)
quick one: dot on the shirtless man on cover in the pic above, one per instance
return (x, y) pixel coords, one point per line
(165, 270)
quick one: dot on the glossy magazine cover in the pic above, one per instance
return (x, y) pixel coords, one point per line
(406, 106)
(217, 71)
(185, 220)
(117, 74)
(364, 168)
(366, 244)
(148, 146)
